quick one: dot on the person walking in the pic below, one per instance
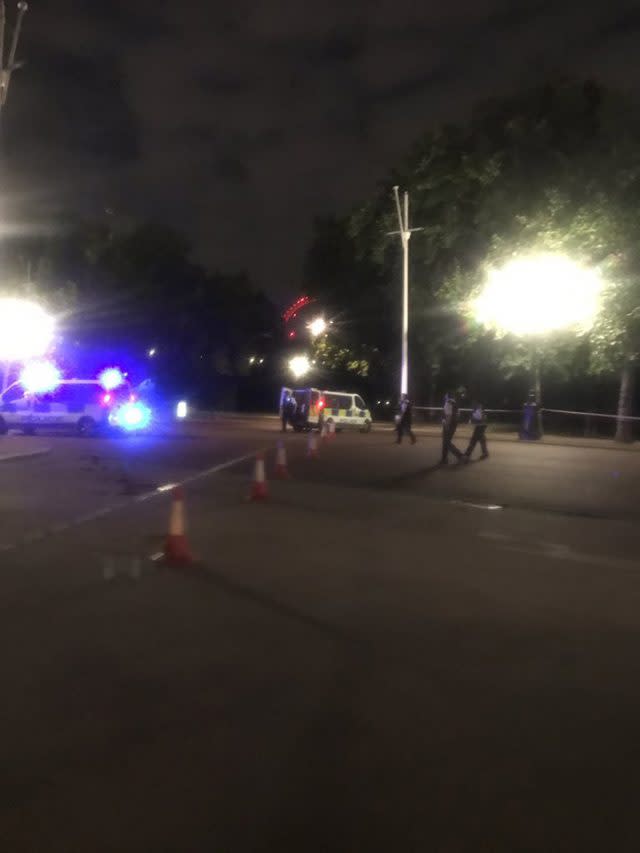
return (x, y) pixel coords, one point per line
(449, 427)
(479, 422)
(405, 419)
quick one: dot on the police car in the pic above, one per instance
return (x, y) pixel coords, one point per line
(80, 405)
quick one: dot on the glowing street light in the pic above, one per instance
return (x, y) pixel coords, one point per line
(151, 353)
(26, 330)
(299, 366)
(39, 377)
(535, 295)
(317, 327)
(539, 294)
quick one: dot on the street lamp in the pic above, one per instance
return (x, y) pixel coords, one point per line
(534, 295)
(405, 233)
(539, 294)
(299, 366)
(317, 327)
(26, 332)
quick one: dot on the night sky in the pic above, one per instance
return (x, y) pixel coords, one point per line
(239, 121)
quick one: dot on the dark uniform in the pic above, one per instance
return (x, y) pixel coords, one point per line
(288, 412)
(479, 421)
(530, 430)
(449, 427)
(405, 419)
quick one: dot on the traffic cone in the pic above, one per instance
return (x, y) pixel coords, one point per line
(176, 548)
(312, 447)
(259, 487)
(281, 472)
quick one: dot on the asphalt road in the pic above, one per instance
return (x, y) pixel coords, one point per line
(386, 656)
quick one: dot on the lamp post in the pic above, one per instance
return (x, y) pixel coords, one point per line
(405, 233)
(299, 366)
(317, 327)
(535, 295)
(26, 331)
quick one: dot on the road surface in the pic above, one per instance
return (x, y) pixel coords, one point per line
(386, 656)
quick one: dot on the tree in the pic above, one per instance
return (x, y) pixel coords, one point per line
(126, 288)
(554, 169)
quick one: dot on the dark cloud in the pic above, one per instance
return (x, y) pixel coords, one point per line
(241, 121)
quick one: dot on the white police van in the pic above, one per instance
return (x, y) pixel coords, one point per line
(313, 407)
(80, 405)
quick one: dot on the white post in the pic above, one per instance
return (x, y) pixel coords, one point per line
(405, 234)
(404, 377)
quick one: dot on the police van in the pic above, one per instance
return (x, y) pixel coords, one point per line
(313, 406)
(81, 405)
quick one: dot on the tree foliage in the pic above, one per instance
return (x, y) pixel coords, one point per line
(554, 169)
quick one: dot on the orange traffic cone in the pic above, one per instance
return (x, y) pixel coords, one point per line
(312, 447)
(176, 547)
(281, 472)
(259, 488)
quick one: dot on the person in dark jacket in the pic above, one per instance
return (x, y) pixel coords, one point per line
(288, 411)
(405, 419)
(479, 423)
(449, 427)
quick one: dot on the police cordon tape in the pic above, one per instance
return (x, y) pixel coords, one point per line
(542, 411)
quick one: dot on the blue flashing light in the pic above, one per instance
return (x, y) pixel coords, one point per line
(111, 378)
(40, 377)
(133, 416)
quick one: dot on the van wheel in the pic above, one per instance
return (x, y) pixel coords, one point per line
(29, 430)
(3, 427)
(366, 427)
(87, 427)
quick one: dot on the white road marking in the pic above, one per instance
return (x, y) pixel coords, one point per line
(476, 506)
(553, 551)
(39, 535)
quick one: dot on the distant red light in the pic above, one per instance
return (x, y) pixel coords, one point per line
(321, 404)
(292, 334)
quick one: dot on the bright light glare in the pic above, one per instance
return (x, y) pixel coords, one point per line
(299, 366)
(317, 326)
(152, 352)
(539, 294)
(133, 416)
(181, 409)
(26, 330)
(111, 378)
(39, 377)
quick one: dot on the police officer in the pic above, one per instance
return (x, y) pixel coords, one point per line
(288, 411)
(479, 422)
(449, 427)
(405, 419)
(530, 430)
